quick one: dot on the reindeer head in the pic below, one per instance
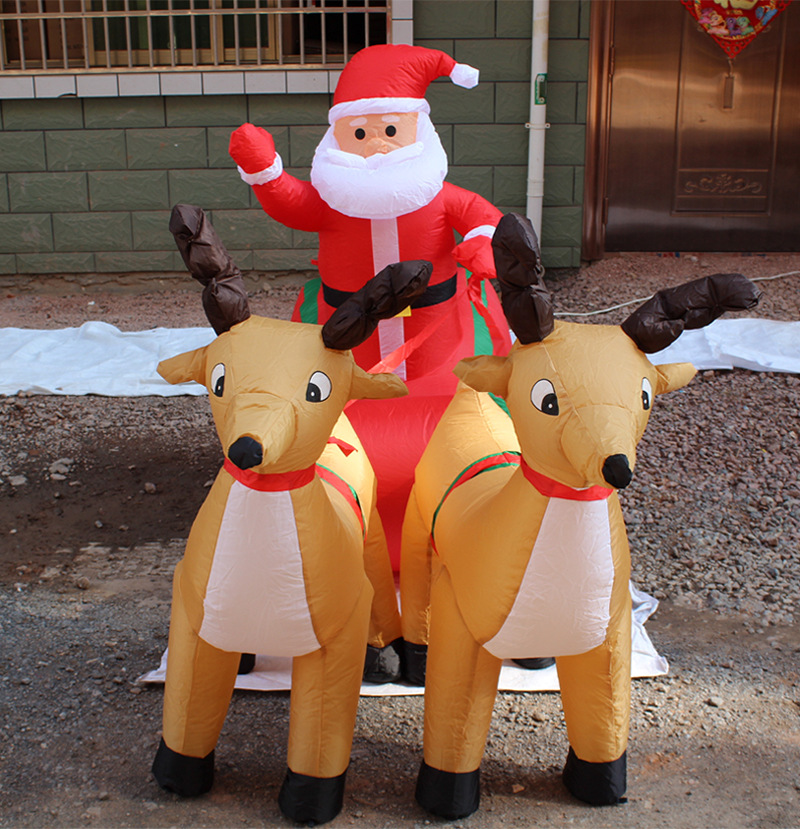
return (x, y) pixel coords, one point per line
(580, 395)
(277, 388)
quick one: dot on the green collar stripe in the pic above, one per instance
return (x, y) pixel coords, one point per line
(501, 403)
(476, 468)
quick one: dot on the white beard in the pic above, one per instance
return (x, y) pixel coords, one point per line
(382, 186)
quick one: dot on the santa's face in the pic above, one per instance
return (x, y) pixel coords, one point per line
(366, 135)
(396, 167)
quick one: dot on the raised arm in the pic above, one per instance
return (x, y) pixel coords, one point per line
(475, 219)
(285, 198)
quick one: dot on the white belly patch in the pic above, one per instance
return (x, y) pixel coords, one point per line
(256, 598)
(563, 604)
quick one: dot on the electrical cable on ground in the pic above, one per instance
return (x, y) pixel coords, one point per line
(645, 298)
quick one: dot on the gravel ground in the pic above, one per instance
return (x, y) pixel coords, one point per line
(97, 496)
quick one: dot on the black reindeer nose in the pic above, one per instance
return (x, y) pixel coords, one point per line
(246, 452)
(617, 471)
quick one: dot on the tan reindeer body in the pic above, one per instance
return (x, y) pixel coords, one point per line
(268, 573)
(275, 558)
(560, 598)
(514, 543)
(534, 552)
(283, 554)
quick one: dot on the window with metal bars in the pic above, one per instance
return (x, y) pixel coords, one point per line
(74, 35)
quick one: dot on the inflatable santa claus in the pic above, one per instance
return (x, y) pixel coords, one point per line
(377, 195)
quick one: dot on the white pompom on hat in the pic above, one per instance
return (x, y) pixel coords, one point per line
(394, 78)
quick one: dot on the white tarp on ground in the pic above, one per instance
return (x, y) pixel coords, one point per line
(275, 673)
(98, 358)
(755, 344)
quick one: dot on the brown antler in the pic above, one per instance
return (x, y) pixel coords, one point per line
(384, 296)
(662, 319)
(224, 294)
(518, 262)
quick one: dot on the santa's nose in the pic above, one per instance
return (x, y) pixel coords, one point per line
(378, 145)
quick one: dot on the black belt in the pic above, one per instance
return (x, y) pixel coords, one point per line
(434, 294)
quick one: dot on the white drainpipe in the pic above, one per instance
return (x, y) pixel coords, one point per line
(537, 123)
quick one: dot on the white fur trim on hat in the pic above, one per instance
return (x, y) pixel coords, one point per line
(376, 106)
(465, 75)
(263, 176)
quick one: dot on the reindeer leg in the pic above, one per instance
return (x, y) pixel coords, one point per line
(459, 697)
(595, 694)
(325, 690)
(384, 642)
(200, 680)
(415, 591)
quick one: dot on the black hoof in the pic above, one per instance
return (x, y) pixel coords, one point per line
(247, 661)
(311, 800)
(599, 784)
(537, 663)
(186, 776)
(382, 665)
(448, 794)
(414, 662)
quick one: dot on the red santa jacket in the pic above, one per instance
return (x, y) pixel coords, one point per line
(352, 250)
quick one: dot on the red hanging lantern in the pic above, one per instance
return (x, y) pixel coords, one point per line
(734, 23)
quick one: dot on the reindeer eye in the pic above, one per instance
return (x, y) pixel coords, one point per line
(647, 394)
(218, 379)
(319, 387)
(543, 396)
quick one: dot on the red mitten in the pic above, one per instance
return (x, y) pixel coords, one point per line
(476, 256)
(252, 148)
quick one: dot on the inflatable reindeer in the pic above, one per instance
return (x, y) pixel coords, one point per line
(514, 542)
(275, 560)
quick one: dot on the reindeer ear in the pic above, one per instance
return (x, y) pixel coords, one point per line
(485, 373)
(365, 386)
(191, 365)
(673, 376)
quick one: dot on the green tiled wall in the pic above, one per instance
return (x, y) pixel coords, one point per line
(488, 123)
(26, 233)
(47, 192)
(150, 230)
(567, 72)
(85, 149)
(128, 189)
(104, 113)
(208, 111)
(86, 184)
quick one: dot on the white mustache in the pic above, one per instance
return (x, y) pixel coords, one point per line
(373, 162)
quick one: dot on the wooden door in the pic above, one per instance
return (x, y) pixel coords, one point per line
(695, 152)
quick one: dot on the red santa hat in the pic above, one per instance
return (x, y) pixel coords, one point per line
(394, 78)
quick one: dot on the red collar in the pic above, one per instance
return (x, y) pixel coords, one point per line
(281, 482)
(553, 489)
(271, 482)
(268, 481)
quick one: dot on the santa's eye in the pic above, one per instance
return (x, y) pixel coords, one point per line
(647, 394)
(319, 387)
(391, 130)
(543, 396)
(360, 134)
(218, 379)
